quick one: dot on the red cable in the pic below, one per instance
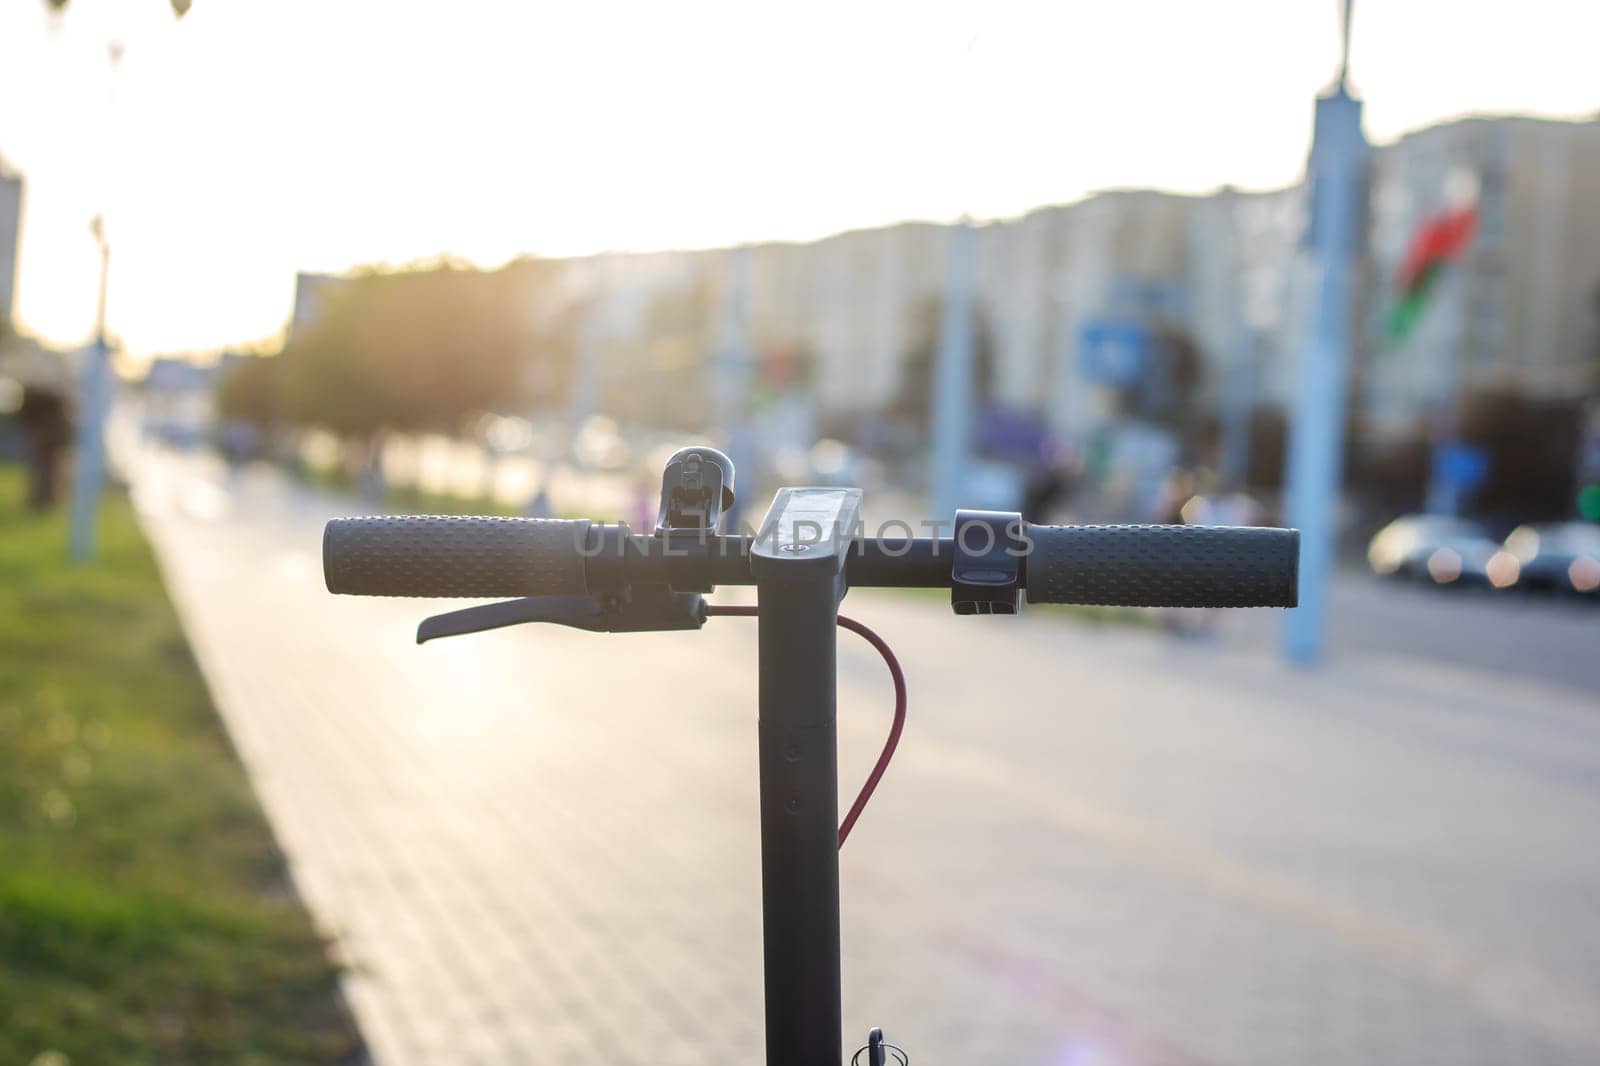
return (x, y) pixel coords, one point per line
(899, 709)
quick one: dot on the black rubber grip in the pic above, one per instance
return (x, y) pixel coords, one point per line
(1164, 566)
(454, 556)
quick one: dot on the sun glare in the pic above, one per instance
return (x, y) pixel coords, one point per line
(254, 139)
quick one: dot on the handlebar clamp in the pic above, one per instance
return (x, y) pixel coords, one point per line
(986, 574)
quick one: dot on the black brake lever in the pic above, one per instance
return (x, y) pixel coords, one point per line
(645, 609)
(563, 610)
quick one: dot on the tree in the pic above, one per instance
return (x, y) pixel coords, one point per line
(180, 8)
(250, 392)
(421, 350)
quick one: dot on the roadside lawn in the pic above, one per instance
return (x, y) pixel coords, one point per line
(145, 912)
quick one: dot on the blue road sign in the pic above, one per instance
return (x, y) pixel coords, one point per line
(1113, 351)
(1460, 466)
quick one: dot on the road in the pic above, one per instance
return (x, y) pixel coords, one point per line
(1544, 639)
(1098, 845)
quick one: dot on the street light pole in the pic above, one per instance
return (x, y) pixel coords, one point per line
(1316, 441)
(1444, 482)
(1238, 408)
(89, 464)
(953, 391)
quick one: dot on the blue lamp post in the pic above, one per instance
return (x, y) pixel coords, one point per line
(1335, 174)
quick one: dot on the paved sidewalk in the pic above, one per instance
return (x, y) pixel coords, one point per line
(1097, 846)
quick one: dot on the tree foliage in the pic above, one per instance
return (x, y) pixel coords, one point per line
(180, 8)
(426, 350)
(250, 392)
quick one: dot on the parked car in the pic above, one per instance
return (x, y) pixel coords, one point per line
(1441, 550)
(1558, 556)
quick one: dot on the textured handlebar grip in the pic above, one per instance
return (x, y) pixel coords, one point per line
(454, 556)
(1164, 566)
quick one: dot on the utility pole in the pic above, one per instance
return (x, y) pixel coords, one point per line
(89, 462)
(733, 353)
(1444, 481)
(1339, 155)
(94, 400)
(1238, 405)
(1238, 384)
(953, 392)
(583, 396)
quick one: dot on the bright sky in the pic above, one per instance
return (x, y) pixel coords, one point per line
(258, 137)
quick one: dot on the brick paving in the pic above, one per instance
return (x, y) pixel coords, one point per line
(1098, 846)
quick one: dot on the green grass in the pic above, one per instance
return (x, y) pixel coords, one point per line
(145, 912)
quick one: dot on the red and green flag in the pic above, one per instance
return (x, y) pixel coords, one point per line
(1440, 240)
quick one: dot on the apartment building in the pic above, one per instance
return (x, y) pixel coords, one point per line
(1520, 308)
(1226, 269)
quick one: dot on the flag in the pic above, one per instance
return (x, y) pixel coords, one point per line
(1440, 240)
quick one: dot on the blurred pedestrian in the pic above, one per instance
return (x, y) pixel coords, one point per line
(1048, 486)
(1183, 504)
(48, 429)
